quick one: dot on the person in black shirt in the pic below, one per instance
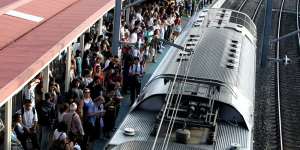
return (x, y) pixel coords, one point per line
(46, 118)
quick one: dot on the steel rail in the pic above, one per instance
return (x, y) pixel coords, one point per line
(278, 75)
(256, 10)
(242, 5)
(298, 28)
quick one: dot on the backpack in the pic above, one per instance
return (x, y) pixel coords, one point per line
(44, 115)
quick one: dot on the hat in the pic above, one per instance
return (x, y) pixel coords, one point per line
(73, 106)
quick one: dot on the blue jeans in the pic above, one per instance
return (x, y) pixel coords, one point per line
(45, 137)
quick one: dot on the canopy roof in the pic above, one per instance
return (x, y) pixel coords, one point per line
(27, 46)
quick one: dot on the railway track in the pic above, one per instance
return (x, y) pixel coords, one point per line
(288, 79)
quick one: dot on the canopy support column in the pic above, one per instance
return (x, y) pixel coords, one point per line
(116, 29)
(99, 27)
(68, 68)
(82, 44)
(127, 14)
(8, 120)
(46, 80)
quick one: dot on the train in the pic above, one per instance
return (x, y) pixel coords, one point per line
(201, 96)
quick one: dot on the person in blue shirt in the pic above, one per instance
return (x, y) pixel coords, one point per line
(136, 71)
(90, 114)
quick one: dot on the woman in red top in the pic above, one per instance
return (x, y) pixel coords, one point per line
(98, 72)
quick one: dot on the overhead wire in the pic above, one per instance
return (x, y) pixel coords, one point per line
(179, 97)
(170, 95)
(165, 138)
(167, 103)
(177, 103)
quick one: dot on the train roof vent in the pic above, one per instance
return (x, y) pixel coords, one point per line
(232, 55)
(232, 50)
(183, 59)
(220, 22)
(228, 66)
(231, 61)
(222, 15)
(190, 44)
(192, 40)
(224, 10)
(233, 45)
(183, 53)
(194, 35)
(234, 41)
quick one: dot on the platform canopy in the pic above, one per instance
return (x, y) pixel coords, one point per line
(34, 32)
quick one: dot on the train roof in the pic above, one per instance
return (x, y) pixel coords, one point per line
(221, 53)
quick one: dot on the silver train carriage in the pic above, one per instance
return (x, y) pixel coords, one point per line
(212, 96)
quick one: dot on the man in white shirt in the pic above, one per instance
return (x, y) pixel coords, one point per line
(29, 117)
(30, 91)
(135, 51)
(139, 15)
(133, 36)
(136, 71)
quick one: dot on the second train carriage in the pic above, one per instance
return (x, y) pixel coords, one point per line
(218, 93)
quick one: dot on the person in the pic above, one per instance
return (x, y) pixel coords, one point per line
(54, 90)
(87, 79)
(135, 51)
(154, 45)
(89, 117)
(19, 130)
(133, 37)
(15, 142)
(99, 103)
(188, 7)
(30, 91)
(177, 28)
(76, 92)
(136, 72)
(30, 118)
(78, 63)
(47, 116)
(97, 88)
(62, 111)
(74, 124)
(60, 139)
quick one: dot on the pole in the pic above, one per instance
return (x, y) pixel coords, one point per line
(285, 36)
(46, 80)
(68, 68)
(266, 33)
(116, 31)
(8, 120)
(99, 27)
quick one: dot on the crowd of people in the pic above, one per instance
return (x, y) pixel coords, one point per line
(99, 80)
